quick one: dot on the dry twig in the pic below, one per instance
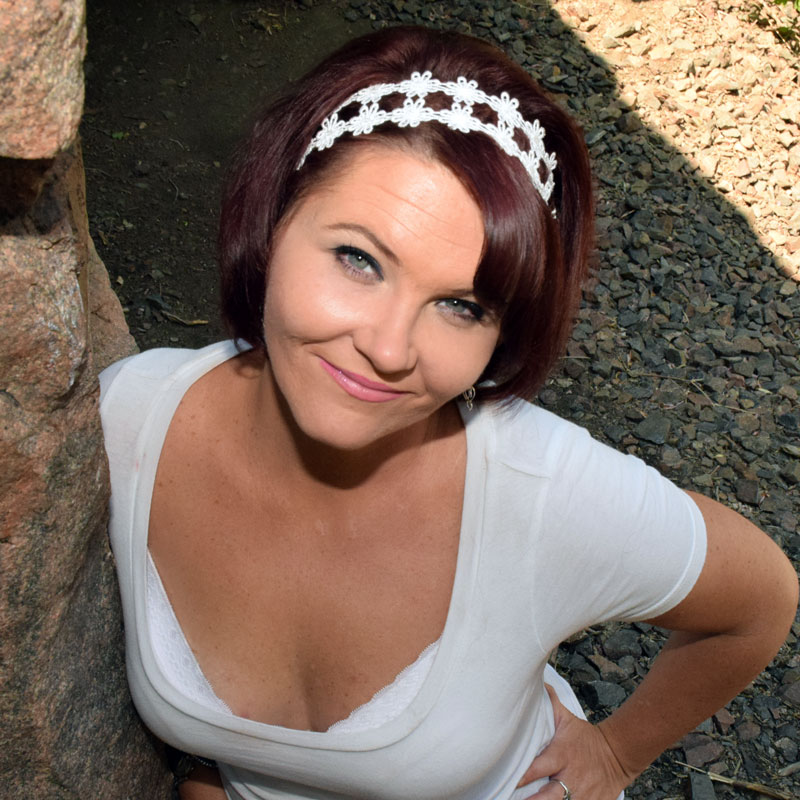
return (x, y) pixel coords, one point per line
(737, 784)
(188, 322)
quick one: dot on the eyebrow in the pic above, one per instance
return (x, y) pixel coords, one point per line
(366, 232)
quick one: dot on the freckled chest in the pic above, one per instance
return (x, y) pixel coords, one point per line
(298, 601)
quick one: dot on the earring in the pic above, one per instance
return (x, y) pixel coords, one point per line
(469, 396)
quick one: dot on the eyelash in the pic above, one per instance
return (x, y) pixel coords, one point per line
(343, 254)
(475, 312)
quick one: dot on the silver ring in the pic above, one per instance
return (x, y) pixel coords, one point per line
(567, 792)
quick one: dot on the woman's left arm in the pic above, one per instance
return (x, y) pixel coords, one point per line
(726, 630)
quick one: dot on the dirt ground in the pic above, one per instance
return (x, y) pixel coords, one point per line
(170, 91)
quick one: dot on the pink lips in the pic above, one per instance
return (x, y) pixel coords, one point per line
(359, 386)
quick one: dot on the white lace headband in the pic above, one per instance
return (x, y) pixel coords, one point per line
(538, 163)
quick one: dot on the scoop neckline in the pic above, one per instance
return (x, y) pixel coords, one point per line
(148, 452)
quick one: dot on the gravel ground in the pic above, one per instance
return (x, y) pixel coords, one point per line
(686, 349)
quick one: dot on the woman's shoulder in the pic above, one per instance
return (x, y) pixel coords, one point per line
(529, 438)
(161, 364)
(633, 540)
(132, 388)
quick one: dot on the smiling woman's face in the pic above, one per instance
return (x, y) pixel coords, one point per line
(370, 319)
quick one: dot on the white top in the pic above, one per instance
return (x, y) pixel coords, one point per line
(177, 661)
(558, 532)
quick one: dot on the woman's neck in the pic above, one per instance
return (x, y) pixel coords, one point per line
(275, 441)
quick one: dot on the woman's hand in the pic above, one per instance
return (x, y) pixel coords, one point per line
(580, 757)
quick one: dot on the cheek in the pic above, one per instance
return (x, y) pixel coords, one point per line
(312, 320)
(296, 305)
(453, 362)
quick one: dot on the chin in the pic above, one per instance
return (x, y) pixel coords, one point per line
(354, 429)
(333, 420)
(346, 435)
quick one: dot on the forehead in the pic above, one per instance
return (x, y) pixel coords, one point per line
(405, 197)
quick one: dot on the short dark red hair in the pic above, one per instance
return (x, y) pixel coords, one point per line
(534, 263)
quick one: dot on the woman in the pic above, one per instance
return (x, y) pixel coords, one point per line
(314, 514)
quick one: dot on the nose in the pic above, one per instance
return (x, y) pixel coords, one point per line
(387, 340)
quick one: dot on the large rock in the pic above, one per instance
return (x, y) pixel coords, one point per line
(109, 336)
(42, 43)
(69, 730)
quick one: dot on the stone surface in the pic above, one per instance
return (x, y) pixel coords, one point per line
(654, 428)
(69, 729)
(702, 752)
(701, 787)
(603, 694)
(747, 491)
(109, 336)
(624, 642)
(42, 44)
(609, 670)
(791, 694)
(724, 720)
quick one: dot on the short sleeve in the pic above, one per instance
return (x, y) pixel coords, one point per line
(110, 373)
(612, 538)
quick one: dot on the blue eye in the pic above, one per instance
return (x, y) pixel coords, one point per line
(357, 262)
(464, 309)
